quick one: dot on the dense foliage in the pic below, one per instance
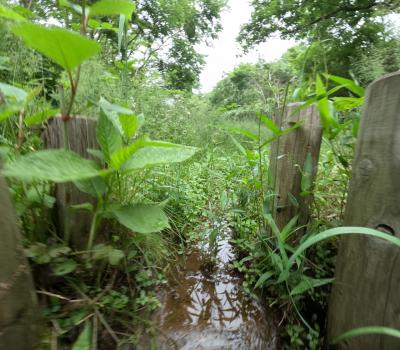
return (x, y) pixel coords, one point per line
(130, 68)
(341, 31)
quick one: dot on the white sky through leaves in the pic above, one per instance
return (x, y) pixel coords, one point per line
(225, 53)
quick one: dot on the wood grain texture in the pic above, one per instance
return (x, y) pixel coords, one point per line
(82, 135)
(367, 287)
(18, 305)
(288, 155)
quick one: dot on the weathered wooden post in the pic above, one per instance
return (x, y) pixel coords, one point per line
(17, 294)
(367, 287)
(288, 157)
(82, 136)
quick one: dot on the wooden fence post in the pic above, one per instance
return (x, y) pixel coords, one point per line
(288, 156)
(366, 291)
(82, 135)
(18, 305)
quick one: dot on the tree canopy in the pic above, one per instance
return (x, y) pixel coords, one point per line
(343, 29)
(161, 33)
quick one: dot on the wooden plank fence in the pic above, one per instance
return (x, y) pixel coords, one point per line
(289, 154)
(367, 287)
(18, 306)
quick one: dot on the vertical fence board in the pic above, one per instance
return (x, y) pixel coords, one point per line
(367, 278)
(17, 293)
(288, 155)
(82, 135)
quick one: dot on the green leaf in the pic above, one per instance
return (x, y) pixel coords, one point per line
(327, 119)
(69, 4)
(112, 7)
(40, 117)
(264, 278)
(17, 94)
(107, 252)
(348, 84)
(95, 186)
(96, 153)
(121, 27)
(142, 218)
(52, 165)
(347, 103)
(6, 12)
(283, 132)
(240, 131)
(288, 229)
(130, 124)
(239, 146)
(84, 340)
(293, 200)
(277, 233)
(158, 153)
(112, 112)
(338, 231)
(213, 236)
(108, 137)
(356, 332)
(8, 110)
(309, 283)
(269, 123)
(267, 205)
(66, 48)
(64, 267)
(119, 157)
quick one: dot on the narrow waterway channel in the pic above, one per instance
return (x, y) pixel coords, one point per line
(206, 308)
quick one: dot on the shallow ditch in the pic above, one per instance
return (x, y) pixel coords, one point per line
(206, 308)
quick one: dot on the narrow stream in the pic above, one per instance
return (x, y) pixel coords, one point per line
(209, 310)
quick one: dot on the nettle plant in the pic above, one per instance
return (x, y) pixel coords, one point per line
(122, 151)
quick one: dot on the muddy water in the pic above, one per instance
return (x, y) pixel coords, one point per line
(209, 310)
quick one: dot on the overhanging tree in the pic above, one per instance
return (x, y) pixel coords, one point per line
(344, 28)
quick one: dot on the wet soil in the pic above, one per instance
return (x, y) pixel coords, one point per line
(206, 308)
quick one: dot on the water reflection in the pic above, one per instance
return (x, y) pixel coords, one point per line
(203, 310)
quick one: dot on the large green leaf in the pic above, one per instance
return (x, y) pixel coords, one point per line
(64, 47)
(8, 110)
(119, 157)
(130, 124)
(107, 252)
(64, 267)
(6, 12)
(347, 103)
(71, 5)
(112, 7)
(142, 218)
(15, 93)
(113, 113)
(52, 165)
(107, 136)
(158, 153)
(41, 116)
(348, 84)
(95, 186)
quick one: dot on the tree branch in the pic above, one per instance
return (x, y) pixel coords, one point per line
(347, 9)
